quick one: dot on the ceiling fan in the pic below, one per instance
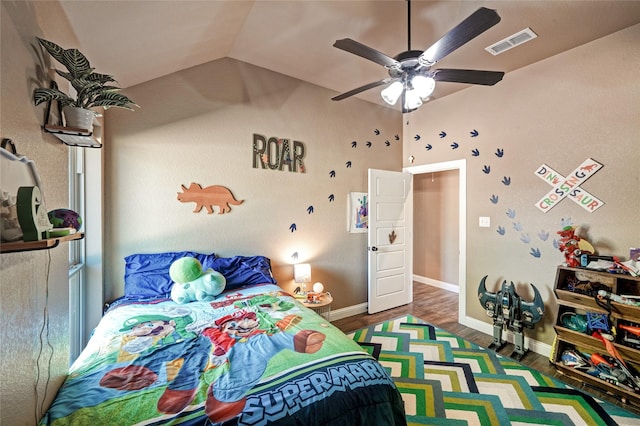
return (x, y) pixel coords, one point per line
(410, 73)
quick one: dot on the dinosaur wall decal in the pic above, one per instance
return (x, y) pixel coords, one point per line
(208, 197)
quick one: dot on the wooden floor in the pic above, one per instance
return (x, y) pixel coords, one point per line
(440, 308)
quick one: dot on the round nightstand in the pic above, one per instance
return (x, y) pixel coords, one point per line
(321, 305)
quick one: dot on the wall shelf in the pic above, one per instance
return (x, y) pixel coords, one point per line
(74, 137)
(49, 243)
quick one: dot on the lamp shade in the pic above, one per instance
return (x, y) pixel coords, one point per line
(302, 272)
(412, 99)
(392, 92)
(423, 85)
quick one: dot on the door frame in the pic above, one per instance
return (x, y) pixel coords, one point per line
(461, 166)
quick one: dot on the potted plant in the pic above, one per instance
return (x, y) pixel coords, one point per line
(92, 88)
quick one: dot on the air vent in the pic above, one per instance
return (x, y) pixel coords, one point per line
(511, 41)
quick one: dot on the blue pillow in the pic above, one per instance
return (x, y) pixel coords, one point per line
(147, 275)
(242, 270)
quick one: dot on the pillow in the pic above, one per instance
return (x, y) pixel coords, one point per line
(147, 275)
(242, 270)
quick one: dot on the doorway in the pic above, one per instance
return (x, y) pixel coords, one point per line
(452, 178)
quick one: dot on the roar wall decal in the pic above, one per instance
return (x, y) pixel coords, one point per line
(278, 154)
(569, 186)
(208, 197)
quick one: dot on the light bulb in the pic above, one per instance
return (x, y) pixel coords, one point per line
(318, 288)
(392, 92)
(423, 85)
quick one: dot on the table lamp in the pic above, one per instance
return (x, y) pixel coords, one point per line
(302, 275)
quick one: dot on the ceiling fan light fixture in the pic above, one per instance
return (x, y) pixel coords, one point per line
(410, 71)
(411, 99)
(423, 85)
(392, 92)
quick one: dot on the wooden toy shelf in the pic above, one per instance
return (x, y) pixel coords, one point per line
(571, 301)
(48, 243)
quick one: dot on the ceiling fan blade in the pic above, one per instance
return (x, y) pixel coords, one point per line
(363, 88)
(366, 52)
(477, 23)
(486, 78)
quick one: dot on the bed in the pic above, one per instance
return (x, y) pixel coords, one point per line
(253, 356)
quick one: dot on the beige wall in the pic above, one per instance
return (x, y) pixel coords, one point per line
(436, 226)
(561, 111)
(197, 126)
(34, 296)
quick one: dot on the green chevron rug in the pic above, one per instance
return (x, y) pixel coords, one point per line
(446, 380)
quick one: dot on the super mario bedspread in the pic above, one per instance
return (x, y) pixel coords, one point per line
(254, 356)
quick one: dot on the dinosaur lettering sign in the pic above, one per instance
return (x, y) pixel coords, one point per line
(276, 154)
(569, 186)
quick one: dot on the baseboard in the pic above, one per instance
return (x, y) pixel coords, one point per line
(348, 311)
(435, 283)
(486, 328)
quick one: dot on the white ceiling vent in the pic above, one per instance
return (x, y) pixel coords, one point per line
(511, 41)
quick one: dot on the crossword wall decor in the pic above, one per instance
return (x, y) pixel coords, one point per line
(277, 154)
(569, 186)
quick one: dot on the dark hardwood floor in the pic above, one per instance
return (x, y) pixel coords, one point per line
(440, 308)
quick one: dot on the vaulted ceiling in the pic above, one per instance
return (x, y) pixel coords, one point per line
(139, 40)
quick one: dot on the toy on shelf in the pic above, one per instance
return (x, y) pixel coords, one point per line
(606, 368)
(630, 335)
(32, 214)
(573, 246)
(626, 300)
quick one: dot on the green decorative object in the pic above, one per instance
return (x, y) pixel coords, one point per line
(32, 214)
(92, 88)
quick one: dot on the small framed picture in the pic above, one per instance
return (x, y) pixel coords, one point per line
(358, 212)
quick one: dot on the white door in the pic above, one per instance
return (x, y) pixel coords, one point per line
(390, 243)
